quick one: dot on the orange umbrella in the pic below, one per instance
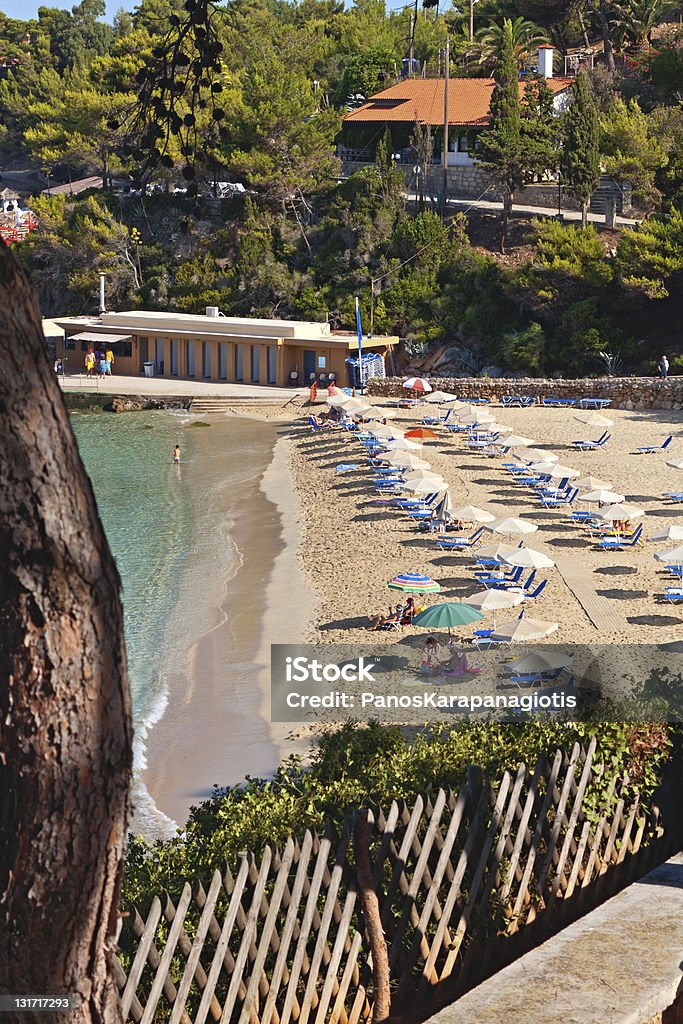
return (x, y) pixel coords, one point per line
(423, 432)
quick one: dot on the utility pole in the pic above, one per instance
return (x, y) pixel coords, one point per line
(471, 20)
(445, 128)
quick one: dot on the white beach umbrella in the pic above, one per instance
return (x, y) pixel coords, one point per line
(540, 662)
(417, 384)
(518, 630)
(496, 550)
(502, 428)
(528, 558)
(510, 526)
(593, 419)
(381, 414)
(536, 455)
(338, 399)
(671, 532)
(495, 600)
(403, 460)
(673, 557)
(603, 496)
(592, 483)
(675, 463)
(355, 406)
(387, 431)
(403, 444)
(437, 397)
(554, 470)
(429, 485)
(422, 474)
(516, 441)
(622, 512)
(475, 413)
(472, 514)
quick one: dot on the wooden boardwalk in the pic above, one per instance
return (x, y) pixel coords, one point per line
(600, 610)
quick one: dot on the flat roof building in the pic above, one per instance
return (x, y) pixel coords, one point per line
(214, 347)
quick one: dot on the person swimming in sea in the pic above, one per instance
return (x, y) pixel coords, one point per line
(176, 454)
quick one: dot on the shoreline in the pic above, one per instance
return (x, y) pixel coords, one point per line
(216, 726)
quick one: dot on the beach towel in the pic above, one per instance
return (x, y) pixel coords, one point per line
(345, 467)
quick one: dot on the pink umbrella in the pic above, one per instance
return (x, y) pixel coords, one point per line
(417, 384)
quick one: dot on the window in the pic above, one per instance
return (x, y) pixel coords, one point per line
(322, 362)
(123, 348)
(70, 345)
(255, 363)
(462, 144)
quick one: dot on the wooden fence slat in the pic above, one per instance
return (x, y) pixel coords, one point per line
(338, 1011)
(332, 968)
(222, 944)
(398, 873)
(189, 973)
(288, 929)
(523, 833)
(586, 775)
(167, 955)
(578, 859)
(120, 978)
(141, 956)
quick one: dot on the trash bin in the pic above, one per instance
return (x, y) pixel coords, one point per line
(149, 369)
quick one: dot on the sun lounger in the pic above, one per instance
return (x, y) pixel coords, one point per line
(559, 402)
(594, 403)
(672, 594)
(673, 495)
(586, 446)
(458, 543)
(619, 542)
(651, 448)
(521, 401)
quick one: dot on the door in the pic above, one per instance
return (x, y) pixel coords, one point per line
(309, 367)
(272, 364)
(190, 359)
(239, 362)
(144, 353)
(255, 363)
(159, 356)
(174, 358)
(223, 361)
(206, 359)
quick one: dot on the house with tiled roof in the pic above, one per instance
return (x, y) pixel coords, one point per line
(420, 101)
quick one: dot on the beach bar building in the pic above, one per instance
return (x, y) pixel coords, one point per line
(214, 347)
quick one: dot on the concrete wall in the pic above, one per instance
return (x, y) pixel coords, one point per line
(625, 392)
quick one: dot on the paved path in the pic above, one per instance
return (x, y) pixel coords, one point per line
(620, 964)
(163, 387)
(529, 211)
(600, 610)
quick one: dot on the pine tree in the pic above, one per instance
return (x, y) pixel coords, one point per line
(540, 149)
(581, 145)
(501, 143)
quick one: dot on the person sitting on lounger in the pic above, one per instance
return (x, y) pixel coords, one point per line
(408, 612)
(380, 621)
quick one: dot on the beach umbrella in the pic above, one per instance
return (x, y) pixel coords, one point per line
(536, 455)
(592, 483)
(339, 398)
(516, 441)
(497, 550)
(622, 512)
(671, 532)
(475, 414)
(417, 384)
(422, 433)
(442, 512)
(381, 414)
(386, 430)
(555, 471)
(400, 444)
(593, 419)
(673, 557)
(495, 600)
(472, 514)
(421, 474)
(528, 558)
(675, 463)
(429, 485)
(519, 630)
(510, 525)
(414, 583)
(438, 397)
(602, 495)
(447, 615)
(545, 662)
(406, 460)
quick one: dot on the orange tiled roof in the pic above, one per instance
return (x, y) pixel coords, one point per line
(421, 99)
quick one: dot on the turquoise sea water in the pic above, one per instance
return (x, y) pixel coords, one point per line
(171, 531)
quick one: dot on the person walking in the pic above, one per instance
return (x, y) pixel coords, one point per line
(176, 454)
(109, 359)
(663, 367)
(89, 362)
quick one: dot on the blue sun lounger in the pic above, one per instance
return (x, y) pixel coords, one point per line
(559, 403)
(651, 448)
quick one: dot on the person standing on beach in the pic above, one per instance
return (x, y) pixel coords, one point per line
(176, 454)
(663, 367)
(109, 359)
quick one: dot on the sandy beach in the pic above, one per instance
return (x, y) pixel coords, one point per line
(350, 547)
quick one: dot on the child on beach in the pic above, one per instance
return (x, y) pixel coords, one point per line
(176, 454)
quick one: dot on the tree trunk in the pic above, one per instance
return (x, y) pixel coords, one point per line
(381, 992)
(508, 199)
(606, 36)
(65, 727)
(582, 25)
(585, 203)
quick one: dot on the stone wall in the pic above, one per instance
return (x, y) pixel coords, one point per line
(625, 392)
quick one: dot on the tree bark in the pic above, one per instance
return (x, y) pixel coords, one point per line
(584, 212)
(606, 36)
(65, 725)
(508, 200)
(381, 991)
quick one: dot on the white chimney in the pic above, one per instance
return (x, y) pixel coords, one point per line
(103, 308)
(545, 61)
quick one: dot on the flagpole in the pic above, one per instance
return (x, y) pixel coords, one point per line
(360, 345)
